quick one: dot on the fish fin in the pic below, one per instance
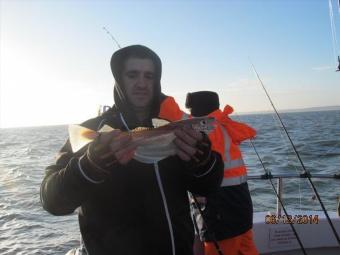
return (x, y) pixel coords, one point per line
(105, 128)
(159, 122)
(156, 148)
(80, 136)
(140, 129)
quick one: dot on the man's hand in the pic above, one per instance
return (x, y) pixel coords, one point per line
(186, 141)
(111, 148)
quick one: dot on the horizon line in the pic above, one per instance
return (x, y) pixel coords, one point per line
(293, 110)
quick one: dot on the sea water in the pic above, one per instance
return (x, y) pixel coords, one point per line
(25, 228)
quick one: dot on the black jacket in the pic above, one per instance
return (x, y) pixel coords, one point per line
(127, 213)
(228, 213)
(139, 208)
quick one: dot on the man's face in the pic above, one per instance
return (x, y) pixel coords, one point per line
(138, 81)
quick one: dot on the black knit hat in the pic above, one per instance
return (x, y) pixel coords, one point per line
(202, 103)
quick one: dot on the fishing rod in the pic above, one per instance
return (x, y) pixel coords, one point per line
(336, 50)
(269, 176)
(112, 37)
(305, 173)
(197, 204)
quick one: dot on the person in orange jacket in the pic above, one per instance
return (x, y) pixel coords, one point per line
(228, 213)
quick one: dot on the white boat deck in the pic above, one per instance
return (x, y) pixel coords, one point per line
(315, 251)
(276, 236)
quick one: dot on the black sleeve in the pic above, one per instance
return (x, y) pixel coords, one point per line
(64, 187)
(67, 183)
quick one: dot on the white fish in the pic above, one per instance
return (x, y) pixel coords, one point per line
(153, 144)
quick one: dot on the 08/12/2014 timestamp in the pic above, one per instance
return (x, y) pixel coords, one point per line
(292, 219)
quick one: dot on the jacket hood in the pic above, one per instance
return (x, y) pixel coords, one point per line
(122, 104)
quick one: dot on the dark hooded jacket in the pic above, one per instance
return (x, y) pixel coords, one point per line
(139, 208)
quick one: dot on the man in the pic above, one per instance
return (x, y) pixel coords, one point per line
(126, 206)
(227, 212)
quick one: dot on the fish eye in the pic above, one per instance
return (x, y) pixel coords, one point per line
(203, 122)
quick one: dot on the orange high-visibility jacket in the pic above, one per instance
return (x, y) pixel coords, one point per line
(169, 110)
(225, 139)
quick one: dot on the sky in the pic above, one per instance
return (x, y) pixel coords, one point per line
(54, 55)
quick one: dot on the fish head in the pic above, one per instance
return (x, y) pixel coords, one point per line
(203, 124)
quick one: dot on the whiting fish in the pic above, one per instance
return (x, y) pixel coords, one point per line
(153, 144)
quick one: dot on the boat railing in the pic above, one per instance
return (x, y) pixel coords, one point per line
(282, 176)
(292, 175)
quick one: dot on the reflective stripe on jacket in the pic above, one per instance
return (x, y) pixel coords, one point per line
(235, 172)
(225, 141)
